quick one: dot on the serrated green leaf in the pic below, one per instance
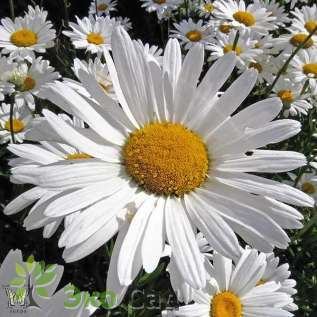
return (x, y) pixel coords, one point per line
(19, 281)
(41, 291)
(45, 279)
(20, 270)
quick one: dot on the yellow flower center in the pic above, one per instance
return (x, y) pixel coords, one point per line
(257, 45)
(257, 66)
(194, 36)
(17, 125)
(106, 88)
(286, 96)
(28, 83)
(78, 156)
(159, 1)
(311, 26)
(261, 282)
(208, 7)
(308, 188)
(225, 28)
(23, 38)
(298, 39)
(226, 304)
(102, 7)
(166, 158)
(229, 48)
(245, 18)
(310, 69)
(95, 38)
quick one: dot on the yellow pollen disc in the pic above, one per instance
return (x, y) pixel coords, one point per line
(310, 69)
(226, 304)
(23, 38)
(159, 1)
(261, 282)
(28, 83)
(245, 18)
(194, 36)
(298, 39)
(257, 45)
(208, 7)
(257, 66)
(78, 156)
(105, 88)
(308, 188)
(286, 96)
(311, 26)
(102, 7)
(228, 48)
(166, 158)
(18, 125)
(225, 28)
(95, 38)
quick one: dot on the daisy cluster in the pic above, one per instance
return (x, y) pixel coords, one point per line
(177, 155)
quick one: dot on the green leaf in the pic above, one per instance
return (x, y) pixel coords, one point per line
(19, 281)
(20, 293)
(45, 279)
(37, 271)
(30, 263)
(19, 269)
(41, 291)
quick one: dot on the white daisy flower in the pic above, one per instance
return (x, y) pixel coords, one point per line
(161, 7)
(152, 52)
(190, 33)
(276, 9)
(22, 117)
(206, 8)
(135, 150)
(279, 274)
(24, 36)
(294, 102)
(245, 49)
(98, 70)
(305, 19)
(233, 291)
(245, 17)
(92, 34)
(28, 79)
(124, 22)
(307, 183)
(6, 68)
(303, 67)
(36, 12)
(102, 7)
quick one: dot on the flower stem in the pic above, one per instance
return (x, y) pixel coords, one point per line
(305, 87)
(284, 67)
(11, 122)
(235, 42)
(11, 4)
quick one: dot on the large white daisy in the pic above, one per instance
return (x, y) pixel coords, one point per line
(92, 34)
(24, 36)
(181, 147)
(102, 7)
(233, 291)
(251, 17)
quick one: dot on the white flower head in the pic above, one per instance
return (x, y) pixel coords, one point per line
(124, 22)
(135, 156)
(93, 33)
(24, 36)
(161, 7)
(152, 52)
(190, 33)
(305, 19)
(6, 68)
(245, 17)
(102, 7)
(206, 8)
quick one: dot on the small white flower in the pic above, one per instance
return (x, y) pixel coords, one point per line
(24, 36)
(124, 22)
(6, 68)
(22, 118)
(307, 183)
(244, 17)
(305, 19)
(190, 33)
(92, 34)
(161, 7)
(152, 52)
(206, 8)
(102, 7)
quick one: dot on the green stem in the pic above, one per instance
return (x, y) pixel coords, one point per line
(305, 87)
(235, 42)
(187, 8)
(11, 4)
(11, 122)
(284, 67)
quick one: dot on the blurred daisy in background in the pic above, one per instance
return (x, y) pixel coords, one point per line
(93, 33)
(190, 33)
(161, 7)
(206, 8)
(6, 68)
(234, 292)
(245, 17)
(97, 69)
(303, 68)
(24, 36)
(307, 183)
(22, 117)
(245, 49)
(305, 19)
(294, 102)
(152, 52)
(124, 22)
(102, 7)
